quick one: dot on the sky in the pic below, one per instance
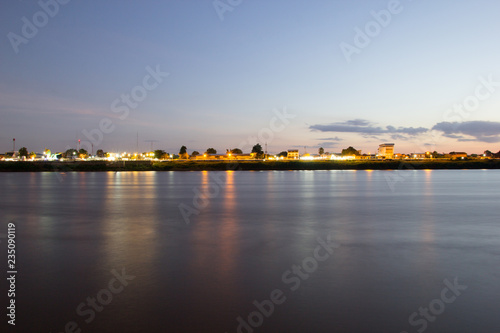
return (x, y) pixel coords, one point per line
(124, 76)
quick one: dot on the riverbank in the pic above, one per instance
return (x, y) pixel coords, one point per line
(244, 165)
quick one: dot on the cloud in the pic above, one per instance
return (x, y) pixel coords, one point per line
(367, 128)
(485, 131)
(399, 137)
(453, 136)
(331, 139)
(328, 144)
(468, 131)
(356, 122)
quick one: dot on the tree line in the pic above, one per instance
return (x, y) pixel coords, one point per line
(183, 154)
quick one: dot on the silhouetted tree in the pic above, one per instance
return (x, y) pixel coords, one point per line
(435, 154)
(195, 153)
(183, 153)
(71, 153)
(350, 152)
(283, 153)
(83, 153)
(211, 151)
(99, 153)
(23, 152)
(159, 153)
(257, 149)
(321, 151)
(236, 151)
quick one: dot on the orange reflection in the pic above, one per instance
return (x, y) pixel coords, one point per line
(430, 209)
(215, 229)
(229, 227)
(127, 228)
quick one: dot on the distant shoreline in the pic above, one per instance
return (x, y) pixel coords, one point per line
(91, 166)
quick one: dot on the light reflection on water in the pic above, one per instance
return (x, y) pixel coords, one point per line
(397, 247)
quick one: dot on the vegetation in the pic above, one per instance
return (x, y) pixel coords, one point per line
(258, 150)
(23, 152)
(100, 153)
(321, 151)
(211, 151)
(83, 153)
(158, 153)
(284, 154)
(70, 152)
(350, 152)
(183, 153)
(435, 154)
(236, 151)
(195, 153)
(186, 165)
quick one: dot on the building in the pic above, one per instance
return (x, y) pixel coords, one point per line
(455, 154)
(210, 156)
(250, 156)
(310, 157)
(386, 150)
(419, 156)
(366, 157)
(228, 156)
(293, 154)
(400, 156)
(12, 154)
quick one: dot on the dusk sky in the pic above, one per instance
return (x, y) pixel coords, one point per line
(425, 76)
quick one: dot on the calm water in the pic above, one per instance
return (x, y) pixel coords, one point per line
(200, 247)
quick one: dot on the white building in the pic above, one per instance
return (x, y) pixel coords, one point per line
(293, 154)
(386, 150)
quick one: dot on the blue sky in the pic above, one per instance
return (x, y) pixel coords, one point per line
(427, 79)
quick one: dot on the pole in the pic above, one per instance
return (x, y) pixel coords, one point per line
(14, 145)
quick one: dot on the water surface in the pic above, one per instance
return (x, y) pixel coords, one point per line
(203, 246)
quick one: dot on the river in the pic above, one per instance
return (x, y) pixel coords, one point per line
(274, 251)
